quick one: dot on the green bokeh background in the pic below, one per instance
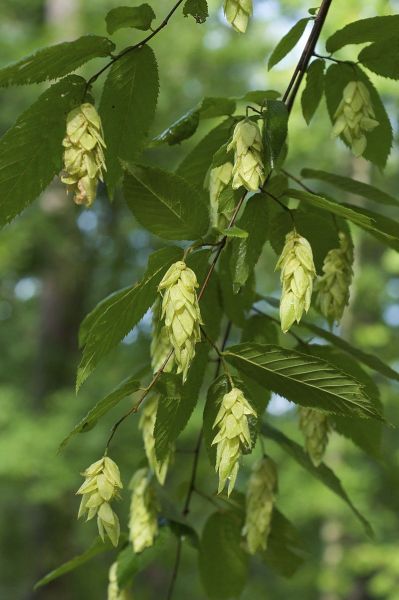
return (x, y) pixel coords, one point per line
(57, 261)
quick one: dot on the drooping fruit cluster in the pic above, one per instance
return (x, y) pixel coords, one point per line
(238, 13)
(143, 521)
(248, 165)
(315, 428)
(147, 426)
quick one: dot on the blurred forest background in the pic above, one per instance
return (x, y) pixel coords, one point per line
(57, 261)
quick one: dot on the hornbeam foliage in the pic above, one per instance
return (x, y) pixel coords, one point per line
(210, 221)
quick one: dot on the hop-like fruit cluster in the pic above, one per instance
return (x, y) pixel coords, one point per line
(260, 498)
(147, 425)
(297, 274)
(160, 343)
(248, 166)
(114, 592)
(84, 161)
(143, 521)
(181, 312)
(333, 287)
(219, 179)
(102, 485)
(238, 13)
(355, 116)
(232, 437)
(315, 428)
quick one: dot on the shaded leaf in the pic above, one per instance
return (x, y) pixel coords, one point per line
(213, 106)
(287, 43)
(165, 203)
(139, 17)
(322, 472)
(180, 130)
(56, 61)
(235, 304)
(197, 9)
(374, 29)
(127, 109)
(260, 329)
(114, 317)
(353, 186)
(260, 96)
(382, 57)
(129, 563)
(304, 380)
(285, 552)
(31, 151)
(275, 131)
(314, 89)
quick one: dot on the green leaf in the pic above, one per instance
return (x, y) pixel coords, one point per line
(374, 29)
(31, 151)
(197, 9)
(353, 186)
(260, 329)
(196, 163)
(382, 228)
(259, 96)
(115, 316)
(341, 210)
(130, 564)
(287, 43)
(56, 61)
(304, 380)
(285, 552)
(313, 224)
(180, 130)
(165, 203)
(98, 547)
(223, 563)
(127, 109)
(245, 252)
(314, 89)
(213, 106)
(235, 304)
(235, 232)
(382, 57)
(139, 17)
(126, 388)
(322, 472)
(275, 130)
(177, 402)
(379, 141)
(365, 433)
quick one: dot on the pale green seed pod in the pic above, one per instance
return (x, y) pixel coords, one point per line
(143, 520)
(147, 426)
(260, 498)
(84, 161)
(233, 436)
(238, 13)
(355, 116)
(219, 179)
(181, 313)
(160, 343)
(248, 165)
(101, 486)
(334, 285)
(114, 592)
(315, 428)
(297, 274)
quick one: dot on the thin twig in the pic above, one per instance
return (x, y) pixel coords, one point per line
(175, 569)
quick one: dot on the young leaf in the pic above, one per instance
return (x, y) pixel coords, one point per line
(126, 388)
(285, 552)
(197, 9)
(382, 57)
(31, 151)
(223, 563)
(304, 380)
(115, 316)
(245, 252)
(275, 130)
(165, 203)
(56, 61)
(235, 232)
(341, 210)
(98, 547)
(180, 130)
(379, 141)
(314, 89)
(127, 109)
(287, 43)
(353, 186)
(322, 472)
(374, 29)
(196, 163)
(139, 17)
